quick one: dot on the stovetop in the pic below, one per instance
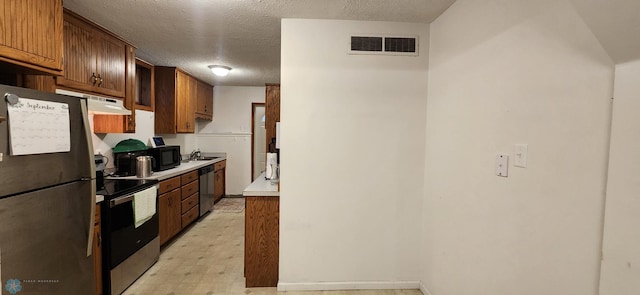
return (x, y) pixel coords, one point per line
(118, 187)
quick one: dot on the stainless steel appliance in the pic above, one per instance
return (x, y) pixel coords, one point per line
(166, 157)
(206, 189)
(143, 166)
(47, 204)
(128, 250)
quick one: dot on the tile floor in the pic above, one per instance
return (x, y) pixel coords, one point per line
(207, 259)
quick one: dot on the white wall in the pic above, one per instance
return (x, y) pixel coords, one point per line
(352, 154)
(504, 72)
(621, 249)
(230, 132)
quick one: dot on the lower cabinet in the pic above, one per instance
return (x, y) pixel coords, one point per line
(219, 180)
(177, 204)
(261, 241)
(169, 214)
(97, 251)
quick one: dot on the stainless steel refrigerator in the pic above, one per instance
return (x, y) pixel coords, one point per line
(47, 203)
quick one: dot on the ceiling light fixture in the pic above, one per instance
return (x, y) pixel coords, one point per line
(220, 70)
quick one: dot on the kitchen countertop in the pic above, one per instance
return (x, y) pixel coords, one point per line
(261, 188)
(181, 169)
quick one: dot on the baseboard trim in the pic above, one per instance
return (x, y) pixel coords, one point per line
(333, 286)
(424, 289)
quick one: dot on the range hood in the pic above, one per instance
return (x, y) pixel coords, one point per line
(99, 104)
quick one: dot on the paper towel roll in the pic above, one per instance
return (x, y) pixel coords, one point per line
(272, 164)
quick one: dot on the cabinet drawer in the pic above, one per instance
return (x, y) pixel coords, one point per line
(220, 165)
(190, 216)
(169, 185)
(189, 202)
(189, 189)
(189, 177)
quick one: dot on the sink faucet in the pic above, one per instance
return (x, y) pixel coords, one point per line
(195, 155)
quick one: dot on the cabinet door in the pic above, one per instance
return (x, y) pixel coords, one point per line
(204, 105)
(31, 34)
(262, 224)
(110, 65)
(94, 61)
(176, 212)
(185, 103)
(169, 215)
(79, 55)
(218, 185)
(121, 124)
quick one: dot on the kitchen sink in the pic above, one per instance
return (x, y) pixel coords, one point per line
(199, 159)
(206, 158)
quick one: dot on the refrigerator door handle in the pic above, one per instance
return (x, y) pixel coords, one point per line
(92, 169)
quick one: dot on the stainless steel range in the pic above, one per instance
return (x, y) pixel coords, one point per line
(130, 247)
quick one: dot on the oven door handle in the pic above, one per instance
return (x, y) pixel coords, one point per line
(125, 199)
(120, 200)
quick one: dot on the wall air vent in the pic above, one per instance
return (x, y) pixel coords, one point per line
(366, 43)
(385, 45)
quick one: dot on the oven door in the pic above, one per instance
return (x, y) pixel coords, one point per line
(122, 238)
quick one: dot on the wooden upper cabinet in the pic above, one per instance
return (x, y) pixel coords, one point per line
(204, 103)
(31, 35)
(110, 66)
(185, 119)
(175, 100)
(145, 92)
(95, 61)
(122, 124)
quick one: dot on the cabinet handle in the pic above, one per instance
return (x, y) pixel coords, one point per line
(99, 80)
(94, 78)
(99, 240)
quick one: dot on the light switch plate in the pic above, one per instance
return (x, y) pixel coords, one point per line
(502, 165)
(520, 159)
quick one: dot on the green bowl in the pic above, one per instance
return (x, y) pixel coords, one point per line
(129, 145)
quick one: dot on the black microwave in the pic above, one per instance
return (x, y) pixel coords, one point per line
(166, 157)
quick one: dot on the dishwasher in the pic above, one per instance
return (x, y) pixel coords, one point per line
(206, 189)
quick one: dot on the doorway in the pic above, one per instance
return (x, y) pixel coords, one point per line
(258, 140)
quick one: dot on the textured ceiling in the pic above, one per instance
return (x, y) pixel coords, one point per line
(245, 34)
(242, 34)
